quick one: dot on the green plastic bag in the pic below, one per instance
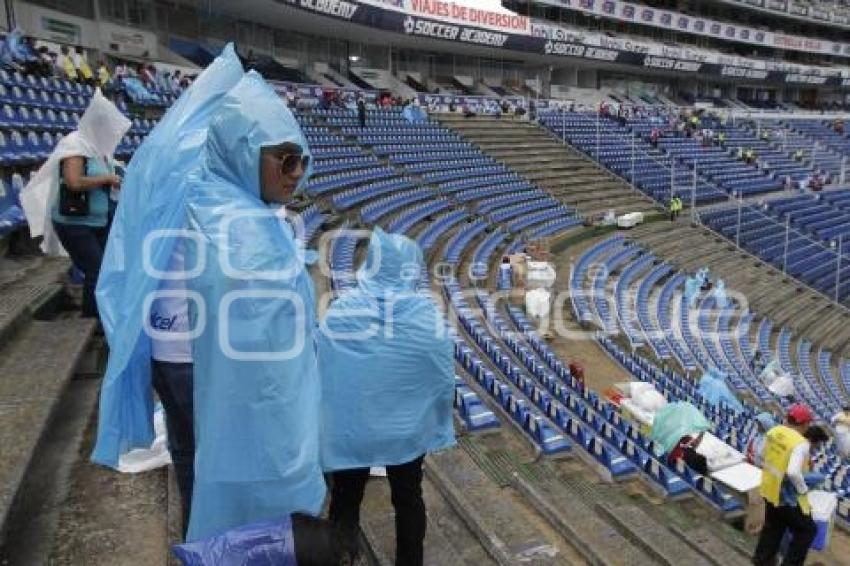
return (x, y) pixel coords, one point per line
(675, 420)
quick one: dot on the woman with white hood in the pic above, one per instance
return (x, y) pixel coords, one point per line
(68, 200)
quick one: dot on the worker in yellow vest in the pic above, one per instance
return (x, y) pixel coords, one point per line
(786, 461)
(66, 63)
(81, 63)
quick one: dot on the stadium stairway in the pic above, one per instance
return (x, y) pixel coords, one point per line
(56, 507)
(547, 162)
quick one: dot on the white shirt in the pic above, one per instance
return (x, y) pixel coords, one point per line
(169, 316)
(795, 467)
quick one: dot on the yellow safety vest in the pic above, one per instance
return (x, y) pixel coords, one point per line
(103, 75)
(68, 66)
(85, 70)
(780, 441)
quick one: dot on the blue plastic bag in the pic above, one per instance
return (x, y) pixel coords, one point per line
(152, 198)
(257, 388)
(386, 365)
(692, 285)
(713, 388)
(269, 543)
(137, 91)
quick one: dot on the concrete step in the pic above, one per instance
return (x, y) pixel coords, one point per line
(35, 369)
(110, 518)
(545, 161)
(27, 290)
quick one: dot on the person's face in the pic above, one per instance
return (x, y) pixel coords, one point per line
(281, 168)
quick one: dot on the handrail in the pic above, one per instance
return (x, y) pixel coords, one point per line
(698, 220)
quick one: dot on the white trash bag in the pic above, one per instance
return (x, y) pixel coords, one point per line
(146, 459)
(783, 386)
(842, 440)
(645, 396)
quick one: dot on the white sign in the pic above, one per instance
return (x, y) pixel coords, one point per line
(127, 41)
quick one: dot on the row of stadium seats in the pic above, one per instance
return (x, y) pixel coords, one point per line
(737, 429)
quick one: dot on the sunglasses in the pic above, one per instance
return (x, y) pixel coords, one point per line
(289, 163)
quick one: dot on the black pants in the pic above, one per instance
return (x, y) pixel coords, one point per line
(778, 519)
(173, 384)
(406, 489)
(85, 245)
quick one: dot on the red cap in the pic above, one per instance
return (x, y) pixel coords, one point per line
(799, 414)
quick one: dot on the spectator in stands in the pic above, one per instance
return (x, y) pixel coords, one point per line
(749, 156)
(175, 81)
(264, 439)
(172, 374)
(721, 138)
(102, 74)
(786, 457)
(686, 451)
(47, 61)
(361, 111)
(798, 155)
(81, 64)
(146, 74)
(396, 368)
(765, 135)
(838, 126)
(66, 64)
(841, 422)
(653, 137)
(30, 60)
(70, 193)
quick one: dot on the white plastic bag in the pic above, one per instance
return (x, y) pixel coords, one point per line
(646, 397)
(823, 504)
(842, 440)
(782, 386)
(145, 459)
(537, 303)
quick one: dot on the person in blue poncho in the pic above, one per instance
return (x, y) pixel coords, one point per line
(141, 288)
(387, 373)
(256, 383)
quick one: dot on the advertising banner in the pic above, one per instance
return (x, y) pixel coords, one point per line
(584, 46)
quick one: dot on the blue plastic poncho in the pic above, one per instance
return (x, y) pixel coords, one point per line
(152, 198)
(14, 49)
(138, 92)
(720, 298)
(692, 285)
(269, 543)
(414, 114)
(257, 387)
(713, 388)
(386, 365)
